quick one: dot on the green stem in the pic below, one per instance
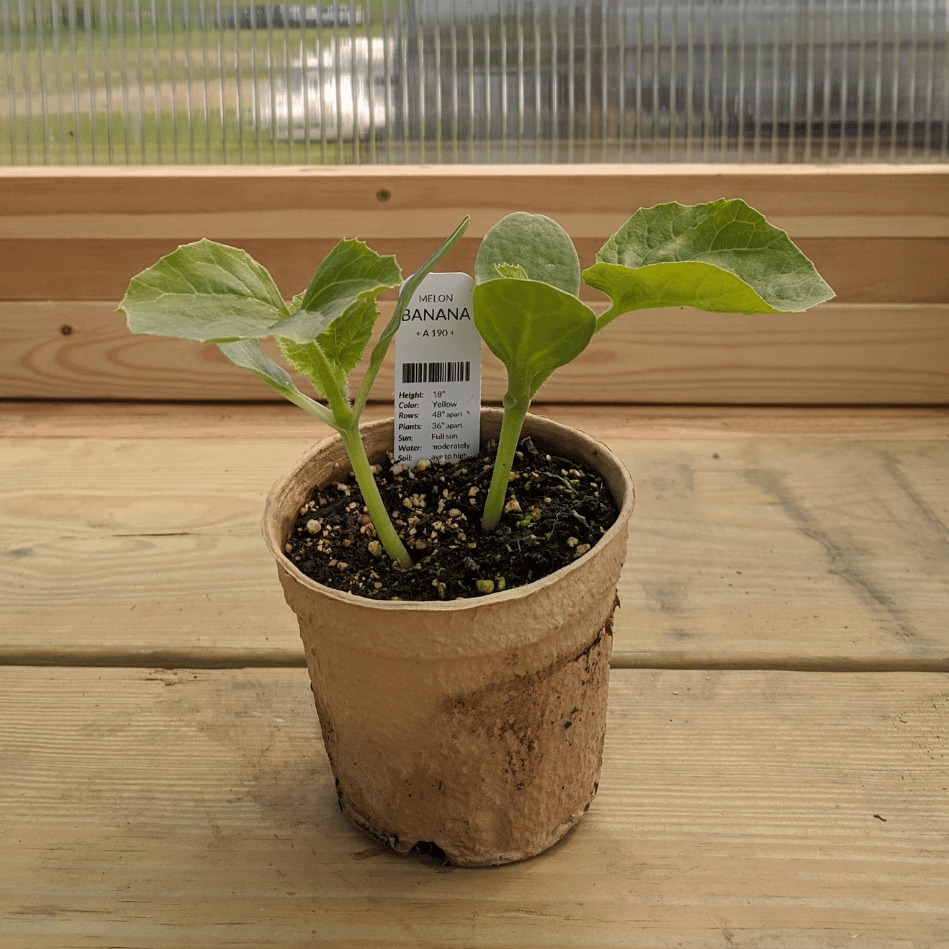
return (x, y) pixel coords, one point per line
(370, 492)
(308, 405)
(346, 422)
(605, 318)
(511, 425)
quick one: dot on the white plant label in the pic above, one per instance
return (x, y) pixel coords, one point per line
(438, 373)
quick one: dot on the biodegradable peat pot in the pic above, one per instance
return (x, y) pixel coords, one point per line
(476, 725)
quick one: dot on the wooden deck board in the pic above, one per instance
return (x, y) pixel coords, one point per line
(196, 808)
(776, 770)
(143, 546)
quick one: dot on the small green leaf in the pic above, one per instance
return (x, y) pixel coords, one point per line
(294, 305)
(722, 256)
(350, 269)
(350, 273)
(248, 354)
(541, 248)
(204, 291)
(309, 359)
(346, 338)
(331, 322)
(532, 327)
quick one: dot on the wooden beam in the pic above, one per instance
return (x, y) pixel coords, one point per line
(81, 233)
(837, 353)
(882, 269)
(71, 239)
(413, 201)
(200, 420)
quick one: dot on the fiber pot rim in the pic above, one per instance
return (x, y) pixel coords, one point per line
(546, 429)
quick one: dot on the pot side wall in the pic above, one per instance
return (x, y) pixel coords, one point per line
(476, 725)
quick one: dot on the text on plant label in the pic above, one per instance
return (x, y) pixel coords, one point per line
(438, 373)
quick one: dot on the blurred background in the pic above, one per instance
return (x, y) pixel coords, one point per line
(473, 81)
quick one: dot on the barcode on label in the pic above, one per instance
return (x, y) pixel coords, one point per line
(413, 372)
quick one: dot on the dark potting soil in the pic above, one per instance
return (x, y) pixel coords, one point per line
(556, 511)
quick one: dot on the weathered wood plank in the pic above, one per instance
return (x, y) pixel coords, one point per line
(860, 269)
(837, 354)
(38, 203)
(878, 234)
(196, 809)
(832, 549)
(47, 419)
(742, 550)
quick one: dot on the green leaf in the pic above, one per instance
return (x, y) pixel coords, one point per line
(351, 268)
(539, 247)
(514, 271)
(346, 338)
(294, 305)
(204, 291)
(330, 323)
(722, 256)
(248, 354)
(532, 327)
(351, 273)
(310, 360)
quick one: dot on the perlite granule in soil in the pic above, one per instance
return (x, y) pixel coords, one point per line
(556, 510)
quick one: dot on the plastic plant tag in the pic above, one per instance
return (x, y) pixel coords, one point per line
(438, 373)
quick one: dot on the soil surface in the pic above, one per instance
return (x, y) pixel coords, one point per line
(556, 511)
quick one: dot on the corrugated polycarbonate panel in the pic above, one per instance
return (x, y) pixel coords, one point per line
(473, 81)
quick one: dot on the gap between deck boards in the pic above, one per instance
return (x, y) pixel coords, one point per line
(286, 658)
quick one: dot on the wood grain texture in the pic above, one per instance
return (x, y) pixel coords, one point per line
(744, 548)
(196, 809)
(432, 197)
(835, 354)
(861, 269)
(845, 424)
(878, 234)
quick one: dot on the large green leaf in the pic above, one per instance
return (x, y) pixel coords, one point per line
(722, 256)
(350, 274)
(204, 291)
(532, 327)
(530, 245)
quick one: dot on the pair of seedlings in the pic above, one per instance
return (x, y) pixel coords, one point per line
(721, 256)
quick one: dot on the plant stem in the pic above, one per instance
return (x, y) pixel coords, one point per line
(511, 424)
(309, 405)
(370, 492)
(611, 314)
(346, 423)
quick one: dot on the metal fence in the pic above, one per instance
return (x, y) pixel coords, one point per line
(473, 81)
